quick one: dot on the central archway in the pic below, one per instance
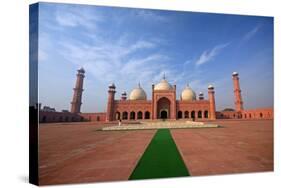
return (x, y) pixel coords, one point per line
(163, 108)
(163, 114)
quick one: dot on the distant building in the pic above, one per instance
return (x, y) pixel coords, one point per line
(48, 109)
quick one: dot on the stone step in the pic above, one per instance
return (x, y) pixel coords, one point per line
(158, 126)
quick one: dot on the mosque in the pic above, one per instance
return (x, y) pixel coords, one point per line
(162, 105)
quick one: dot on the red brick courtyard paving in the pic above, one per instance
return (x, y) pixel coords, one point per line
(78, 153)
(238, 147)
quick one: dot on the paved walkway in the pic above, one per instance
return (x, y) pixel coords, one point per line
(80, 153)
(238, 147)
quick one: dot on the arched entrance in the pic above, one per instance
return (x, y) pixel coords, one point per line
(163, 108)
(163, 114)
(179, 114)
(147, 115)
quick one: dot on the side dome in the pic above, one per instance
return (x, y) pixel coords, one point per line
(163, 85)
(137, 94)
(188, 94)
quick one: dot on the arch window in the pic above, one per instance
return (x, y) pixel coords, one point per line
(139, 115)
(132, 115)
(180, 114)
(147, 115)
(199, 114)
(193, 114)
(206, 114)
(186, 114)
(125, 115)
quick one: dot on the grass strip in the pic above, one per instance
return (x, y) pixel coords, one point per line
(161, 159)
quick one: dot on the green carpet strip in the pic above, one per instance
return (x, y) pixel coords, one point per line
(161, 159)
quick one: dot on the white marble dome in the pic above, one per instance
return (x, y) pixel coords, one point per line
(137, 94)
(188, 94)
(163, 85)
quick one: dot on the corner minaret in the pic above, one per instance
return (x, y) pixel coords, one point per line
(124, 96)
(201, 96)
(77, 94)
(211, 93)
(110, 103)
(237, 92)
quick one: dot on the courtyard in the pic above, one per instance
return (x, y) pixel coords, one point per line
(81, 152)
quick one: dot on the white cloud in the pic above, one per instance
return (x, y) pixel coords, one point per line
(72, 17)
(251, 33)
(209, 55)
(149, 15)
(134, 65)
(114, 61)
(42, 55)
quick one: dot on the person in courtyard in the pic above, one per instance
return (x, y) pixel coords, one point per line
(119, 122)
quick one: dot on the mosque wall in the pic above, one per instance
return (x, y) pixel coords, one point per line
(162, 105)
(258, 113)
(54, 117)
(132, 109)
(97, 117)
(198, 109)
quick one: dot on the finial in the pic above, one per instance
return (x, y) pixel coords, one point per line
(164, 76)
(235, 74)
(210, 87)
(187, 84)
(82, 70)
(139, 84)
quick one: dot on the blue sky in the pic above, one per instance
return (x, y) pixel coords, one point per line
(127, 46)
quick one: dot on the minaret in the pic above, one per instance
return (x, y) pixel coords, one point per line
(211, 93)
(110, 102)
(237, 92)
(201, 96)
(77, 94)
(124, 96)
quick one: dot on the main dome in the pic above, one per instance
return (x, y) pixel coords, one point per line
(163, 85)
(188, 94)
(137, 94)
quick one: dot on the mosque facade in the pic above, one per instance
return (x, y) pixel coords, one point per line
(162, 105)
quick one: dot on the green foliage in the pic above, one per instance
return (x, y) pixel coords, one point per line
(161, 159)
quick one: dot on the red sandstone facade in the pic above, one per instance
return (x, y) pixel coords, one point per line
(237, 93)
(163, 105)
(77, 95)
